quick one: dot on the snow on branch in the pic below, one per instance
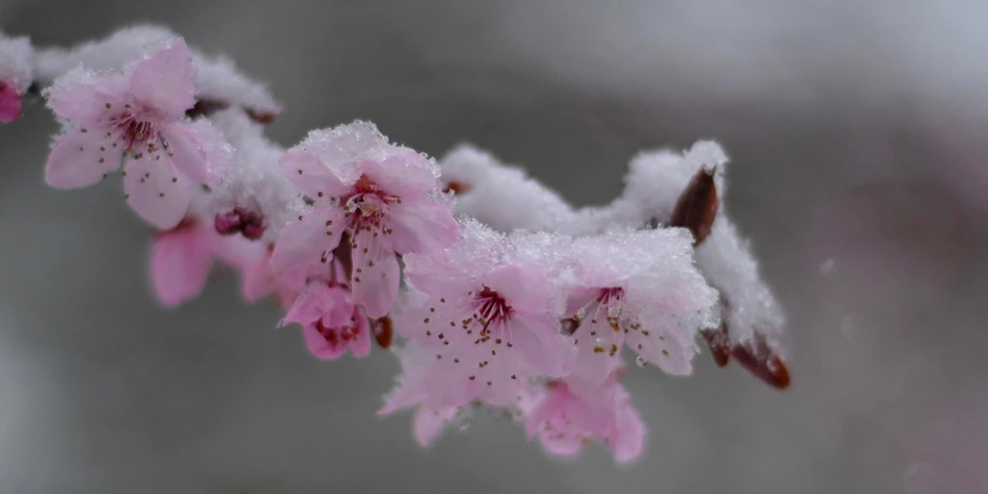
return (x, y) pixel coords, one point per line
(501, 294)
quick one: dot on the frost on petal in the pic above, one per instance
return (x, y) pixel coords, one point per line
(16, 64)
(217, 79)
(344, 148)
(310, 176)
(405, 173)
(309, 240)
(428, 423)
(180, 262)
(81, 158)
(86, 99)
(156, 192)
(121, 48)
(165, 80)
(376, 276)
(10, 103)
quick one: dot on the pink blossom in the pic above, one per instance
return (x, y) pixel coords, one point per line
(386, 197)
(477, 332)
(331, 323)
(640, 289)
(138, 115)
(569, 416)
(10, 103)
(182, 258)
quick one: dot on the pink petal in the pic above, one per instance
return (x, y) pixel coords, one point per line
(180, 262)
(428, 423)
(311, 305)
(10, 103)
(155, 191)
(304, 242)
(164, 81)
(186, 153)
(421, 226)
(361, 346)
(627, 439)
(542, 347)
(91, 104)
(258, 279)
(407, 174)
(310, 176)
(81, 159)
(376, 275)
(525, 290)
(663, 347)
(319, 346)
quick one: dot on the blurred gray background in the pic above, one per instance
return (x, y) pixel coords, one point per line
(858, 137)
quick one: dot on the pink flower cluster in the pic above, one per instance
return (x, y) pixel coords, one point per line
(356, 240)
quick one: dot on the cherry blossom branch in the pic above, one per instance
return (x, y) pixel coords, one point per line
(502, 294)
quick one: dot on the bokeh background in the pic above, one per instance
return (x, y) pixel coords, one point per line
(858, 137)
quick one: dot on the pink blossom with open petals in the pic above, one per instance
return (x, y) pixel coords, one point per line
(331, 323)
(638, 288)
(138, 115)
(384, 196)
(182, 258)
(569, 416)
(479, 329)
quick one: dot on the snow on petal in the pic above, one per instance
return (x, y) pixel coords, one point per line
(165, 80)
(308, 174)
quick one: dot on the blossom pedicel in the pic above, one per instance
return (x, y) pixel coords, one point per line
(504, 296)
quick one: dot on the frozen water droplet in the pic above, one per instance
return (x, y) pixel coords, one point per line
(640, 361)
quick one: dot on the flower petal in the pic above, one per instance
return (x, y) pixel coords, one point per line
(10, 103)
(549, 352)
(406, 174)
(310, 305)
(376, 275)
(421, 226)
(180, 262)
(428, 423)
(361, 344)
(310, 176)
(164, 80)
(155, 191)
(320, 346)
(304, 242)
(186, 153)
(81, 159)
(91, 103)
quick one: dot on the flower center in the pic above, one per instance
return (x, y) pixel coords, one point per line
(366, 207)
(248, 222)
(139, 135)
(491, 308)
(336, 336)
